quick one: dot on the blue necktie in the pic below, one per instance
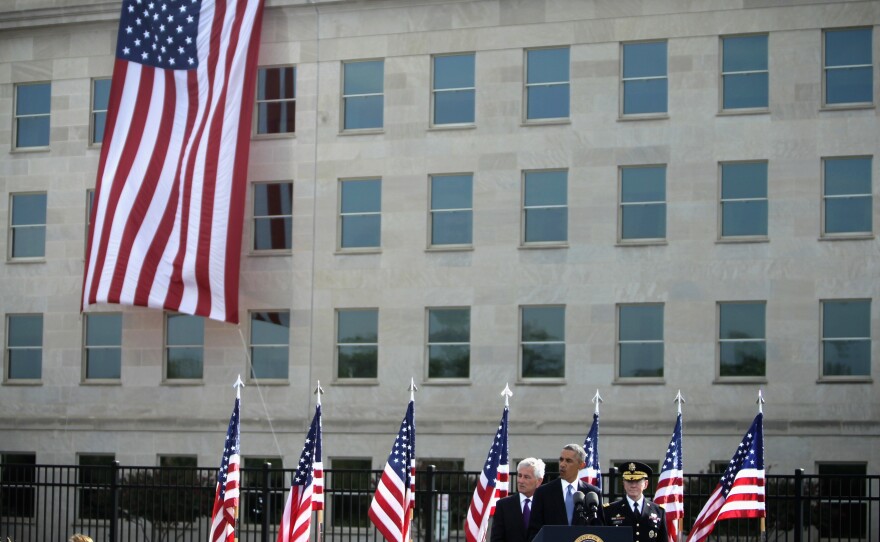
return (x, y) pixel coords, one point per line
(569, 504)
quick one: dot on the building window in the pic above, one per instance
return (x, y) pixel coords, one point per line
(352, 491)
(184, 347)
(360, 213)
(542, 342)
(844, 501)
(357, 343)
(449, 343)
(273, 216)
(95, 477)
(742, 341)
(846, 196)
(363, 87)
(100, 100)
(642, 203)
(744, 199)
(103, 346)
(17, 485)
(270, 345)
(547, 83)
(644, 78)
(744, 72)
(178, 461)
(454, 90)
(849, 67)
(253, 480)
(545, 206)
(276, 100)
(32, 105)
(24, 346)
(640, 340)
(452, 214)
(27, 230)
(846, 338)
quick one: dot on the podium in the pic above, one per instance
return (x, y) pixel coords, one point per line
(583, 533)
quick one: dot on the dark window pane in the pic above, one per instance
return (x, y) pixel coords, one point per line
(452, 228)
(364, 77)
(548, 102)
(103, 329)
(363, 112)
(270, 328)
(276, 117)
(185, 362)
(449, 325)
(543, 324)
(746, 90)
(451, 192)
(640, 184)
(25, 330)
(29, 242)
(272, 233)
(269, 362)
(546, 225)
(362, 196)
(357, 326)
(846, 319)
(273, 199)
(358, 361)
(847, 176)
(644, 59)
(99, 120)
(740, 218)
(101, 96)
(543, 361)
(644, 96)
(744, 53)
(641, 322)
(641, 360)
(17, 494)
(448, 361)
(844, 85)
(546, 188)
(644, 221)
(276, 83)
(848, 47)
(742, 321)
(25, 363)
(454, 107)
(95, 497)
(103, 363)
(33, 99)
(744, 180)
(361, 231)
(32, 132)
(743, 359)
(28, 209)
(846, 358)
(848, 215)
(454, 71)
(547, 65)
(185, 329)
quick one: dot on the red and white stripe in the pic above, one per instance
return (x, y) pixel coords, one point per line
(745, 500)
(670, 495)
(391, 504)
(169, 204)
(225, 511)
(502, 485)
(296, 520)
(482, 508)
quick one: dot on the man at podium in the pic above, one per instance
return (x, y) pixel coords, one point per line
(554, 502)
(647, 519)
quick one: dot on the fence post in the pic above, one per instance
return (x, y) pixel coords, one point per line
(432, 498)
(612, 483)
(114, 492)
(264, 535)
(798, 504)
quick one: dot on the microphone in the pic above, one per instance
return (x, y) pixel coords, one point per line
(592, 504)
(578, 498)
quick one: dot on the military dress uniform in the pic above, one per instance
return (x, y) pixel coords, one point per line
(650, 524)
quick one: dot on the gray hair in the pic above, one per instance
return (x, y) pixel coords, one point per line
(536, 464)
(578, 449)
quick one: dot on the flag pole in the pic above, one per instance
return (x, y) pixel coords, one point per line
(679, 399)
(238, 385)
(320, 530)
(598, 399)
(507, 394)
(409, 513)
(761, 402)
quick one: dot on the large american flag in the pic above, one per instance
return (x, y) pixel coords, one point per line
(670, 486)
(228, 483)
(395, 494)
(591, 473)
(167, 217)
(306, 488)
(740, 493)
(492, 485)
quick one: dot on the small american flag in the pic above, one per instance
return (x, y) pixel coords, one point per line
(228, 483)
(740, 493)
(306, 488)
(395, 494)
(165, 228)
(492, 485)
(591, 473)
(670, 486)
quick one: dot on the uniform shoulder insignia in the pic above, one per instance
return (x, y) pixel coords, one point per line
(606, 505)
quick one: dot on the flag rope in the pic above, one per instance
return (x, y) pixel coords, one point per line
(259, 391)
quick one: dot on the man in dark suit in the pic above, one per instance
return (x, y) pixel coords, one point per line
(647, 519)
(554, 501)
(512, 513)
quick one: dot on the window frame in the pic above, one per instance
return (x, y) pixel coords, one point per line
(253, 250)
(824, 198)
(429, 344)
(93, 111)
(16, 117)
(255, 133)
(524, 210)
(617, 343)
(251, 492)
(17, 487)
(250, 346)
(7, 380)
(433, 109)
(526, 120)
(521, 344)
(348, 496)
(825, 68)
(167, 380)
(84, 379)
(823, 378)
(432, 211)
(721, 201)
(374, 380)
(635, 241)
(10, 237)
(343, 102)
(341, 215)
(85, 490)
(719, 342)
(622, 115)
(721, 73)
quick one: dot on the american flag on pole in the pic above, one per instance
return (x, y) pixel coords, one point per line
(492, 485)
(591, 473)
(228, 483)
(306, 488)
(740, 493)
(395, 494)
(670, 486)
(167, 217)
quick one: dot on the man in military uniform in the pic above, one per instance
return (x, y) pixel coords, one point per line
(647, 519)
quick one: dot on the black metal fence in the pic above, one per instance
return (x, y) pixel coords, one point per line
(43, 503)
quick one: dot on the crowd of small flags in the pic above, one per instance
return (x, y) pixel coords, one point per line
(739, 494)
